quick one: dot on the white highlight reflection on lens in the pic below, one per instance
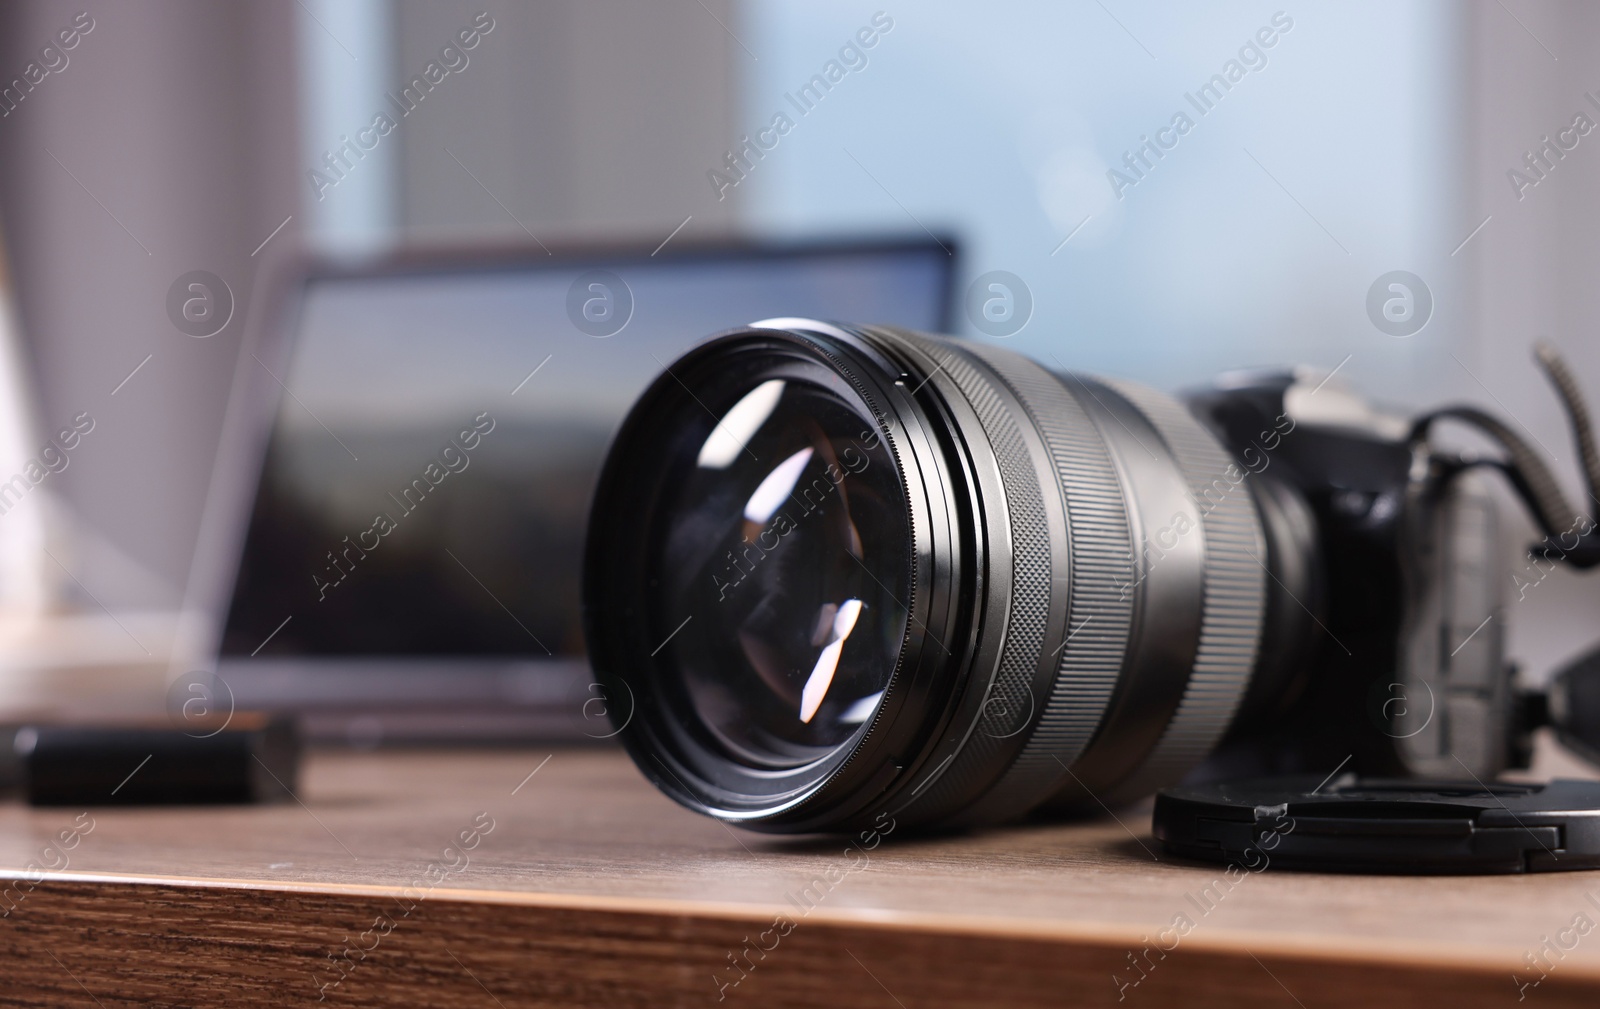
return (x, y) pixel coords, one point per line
(774, 490)
(862, 710)
(739, 425)
(822, 673)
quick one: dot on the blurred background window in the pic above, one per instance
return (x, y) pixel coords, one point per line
(1181, 189)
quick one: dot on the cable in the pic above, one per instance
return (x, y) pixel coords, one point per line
(1577, 413)
(1530, 475)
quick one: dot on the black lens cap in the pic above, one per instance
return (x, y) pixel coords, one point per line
(1375, 825)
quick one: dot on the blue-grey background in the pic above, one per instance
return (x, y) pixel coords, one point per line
(1377, 137)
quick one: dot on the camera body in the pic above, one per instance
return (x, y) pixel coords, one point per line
(1382, 647)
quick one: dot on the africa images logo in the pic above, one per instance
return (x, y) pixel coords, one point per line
(200, 304)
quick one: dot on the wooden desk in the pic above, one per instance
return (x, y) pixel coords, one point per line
(591, 889)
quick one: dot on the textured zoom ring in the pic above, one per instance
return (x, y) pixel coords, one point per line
(1100, 611)
(1234, 599)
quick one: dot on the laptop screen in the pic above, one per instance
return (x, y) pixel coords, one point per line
(429, 468)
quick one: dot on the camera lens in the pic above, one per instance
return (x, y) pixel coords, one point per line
(836, 572)
(783, 532)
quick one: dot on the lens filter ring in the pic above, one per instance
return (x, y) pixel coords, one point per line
(1026, 584)
(637, 639)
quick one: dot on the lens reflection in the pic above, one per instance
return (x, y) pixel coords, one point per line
(784, 561)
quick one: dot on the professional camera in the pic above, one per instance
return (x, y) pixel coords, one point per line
(839, 572)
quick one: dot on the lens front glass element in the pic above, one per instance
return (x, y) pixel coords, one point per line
(782, 569)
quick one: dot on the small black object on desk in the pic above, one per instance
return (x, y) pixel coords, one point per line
(247, 758)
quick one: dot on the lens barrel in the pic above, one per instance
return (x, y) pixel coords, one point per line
(836, 572)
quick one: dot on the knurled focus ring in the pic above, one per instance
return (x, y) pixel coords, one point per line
(1100, 610)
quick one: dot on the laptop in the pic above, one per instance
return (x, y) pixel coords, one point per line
(394, 538)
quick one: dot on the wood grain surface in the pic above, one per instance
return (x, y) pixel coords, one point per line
(457, 879)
